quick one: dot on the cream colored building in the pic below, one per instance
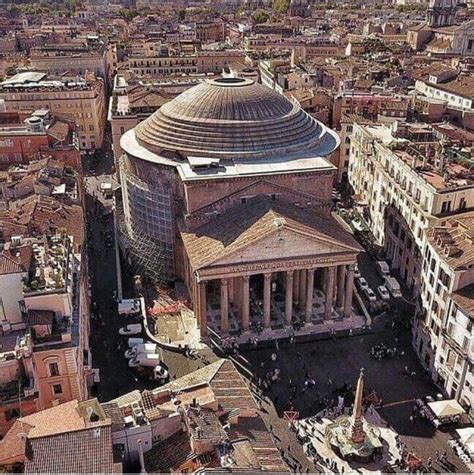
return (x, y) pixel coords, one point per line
(73, 58)
(79, 99)
(200, 62)
(403, 193)
(443, 330)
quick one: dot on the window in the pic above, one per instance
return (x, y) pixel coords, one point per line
(53, 369)
(446, 207)
(57, 389)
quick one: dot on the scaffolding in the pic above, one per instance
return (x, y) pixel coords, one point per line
(144, 255)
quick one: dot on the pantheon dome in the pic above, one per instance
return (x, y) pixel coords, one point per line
(234, 118)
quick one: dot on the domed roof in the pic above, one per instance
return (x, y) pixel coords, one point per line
(230, 117)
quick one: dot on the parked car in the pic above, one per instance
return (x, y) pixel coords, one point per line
(393, 286)
(128, 307)
(132, 329)
(382, 268)
(159, 372)
(357, 273)
(362, 283)
(383, 292)
(369, 293)
(141, 348)
(144, 359)
(134, 341)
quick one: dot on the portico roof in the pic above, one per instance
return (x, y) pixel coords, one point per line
(265, 230)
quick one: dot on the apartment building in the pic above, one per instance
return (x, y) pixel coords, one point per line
(210, 31)
(200, 62)
(40, 135)
(79, 99)
(373, 106)
(404, 184)
(345, 133)
(73, 58)
(443, 330)
(49, 361)
(454, 91)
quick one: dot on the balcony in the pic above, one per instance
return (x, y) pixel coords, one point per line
(58, 332)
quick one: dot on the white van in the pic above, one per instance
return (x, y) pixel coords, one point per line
(382, 268)
(145, 359)
(393, 286)
(135, 341)
(141, 348)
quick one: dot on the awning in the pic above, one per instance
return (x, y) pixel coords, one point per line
(446, 408)
(466, 437)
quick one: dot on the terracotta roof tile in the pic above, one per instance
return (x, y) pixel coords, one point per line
(9, 265)
(465, 299)
(83, 451)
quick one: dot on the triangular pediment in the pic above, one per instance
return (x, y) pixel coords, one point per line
(284, 244)
(262, 229)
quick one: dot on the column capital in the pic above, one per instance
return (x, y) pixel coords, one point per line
(351, 267)
(224, 281)
(267, 275)
(245, 278)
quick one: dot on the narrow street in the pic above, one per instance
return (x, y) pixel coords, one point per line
(107, 346)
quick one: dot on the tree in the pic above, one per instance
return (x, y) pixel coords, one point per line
(260, 16)
(281, 6)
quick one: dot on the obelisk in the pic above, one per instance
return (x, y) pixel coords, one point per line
(357, 430)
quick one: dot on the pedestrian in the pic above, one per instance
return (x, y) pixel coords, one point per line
(437, 456)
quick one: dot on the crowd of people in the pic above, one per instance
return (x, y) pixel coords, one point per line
(382, 351)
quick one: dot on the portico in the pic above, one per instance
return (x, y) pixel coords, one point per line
(276, 271)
